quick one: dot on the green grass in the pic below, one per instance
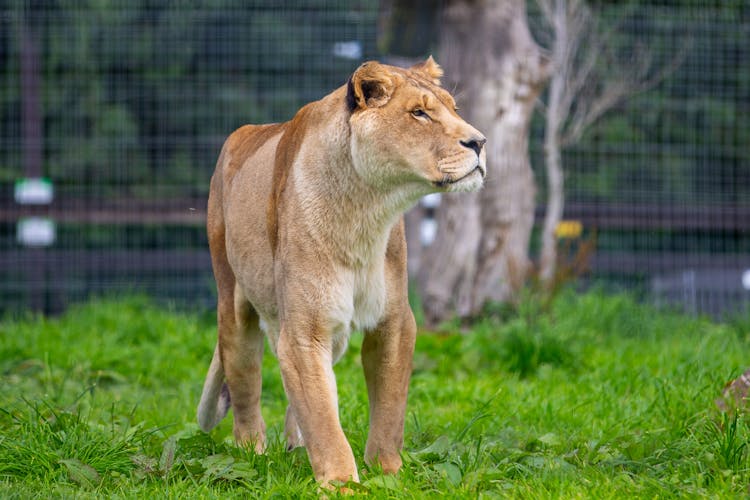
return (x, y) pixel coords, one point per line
(594, 397)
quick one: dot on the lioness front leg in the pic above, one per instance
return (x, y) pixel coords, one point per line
(307, 372)
(387, 360)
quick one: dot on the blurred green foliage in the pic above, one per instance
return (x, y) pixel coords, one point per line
(683, 140)
(139, 94)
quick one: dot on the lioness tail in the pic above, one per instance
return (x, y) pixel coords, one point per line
(215, 401)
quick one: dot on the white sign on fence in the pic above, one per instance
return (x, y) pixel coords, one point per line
(34, 191)
(36, 231)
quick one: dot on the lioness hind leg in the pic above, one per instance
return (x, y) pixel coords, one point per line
(292, 433)
(242, 356)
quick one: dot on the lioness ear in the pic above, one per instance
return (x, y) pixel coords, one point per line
(430, 69)
(370, 86)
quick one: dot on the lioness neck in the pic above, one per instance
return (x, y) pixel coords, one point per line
(340, 211)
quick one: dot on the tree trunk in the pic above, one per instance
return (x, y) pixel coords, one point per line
(480, 252)
(552, 148)
(555, 205)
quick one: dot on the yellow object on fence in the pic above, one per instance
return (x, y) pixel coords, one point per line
(569, 229)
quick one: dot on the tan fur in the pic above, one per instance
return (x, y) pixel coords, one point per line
(307, 244)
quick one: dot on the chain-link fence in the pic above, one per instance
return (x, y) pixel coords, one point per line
(120, 109)
(662, 183)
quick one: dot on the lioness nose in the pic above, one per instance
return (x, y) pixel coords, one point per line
(475, 144)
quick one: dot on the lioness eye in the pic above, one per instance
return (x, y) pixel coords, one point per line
(419, 113)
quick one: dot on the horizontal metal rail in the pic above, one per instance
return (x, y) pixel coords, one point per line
(192, 211)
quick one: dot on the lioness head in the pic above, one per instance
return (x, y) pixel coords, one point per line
(405, 129)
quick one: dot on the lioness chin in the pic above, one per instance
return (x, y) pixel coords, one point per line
(307, 244)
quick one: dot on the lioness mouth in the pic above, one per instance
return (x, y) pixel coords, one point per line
(445, 181)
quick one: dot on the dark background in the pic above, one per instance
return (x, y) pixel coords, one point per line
(124, 106)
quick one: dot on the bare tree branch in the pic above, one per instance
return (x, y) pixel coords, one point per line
(589, 79)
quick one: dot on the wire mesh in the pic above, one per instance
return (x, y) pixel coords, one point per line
(123, 106)
(662, 182)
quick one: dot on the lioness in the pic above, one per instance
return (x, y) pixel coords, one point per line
(307, 244)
